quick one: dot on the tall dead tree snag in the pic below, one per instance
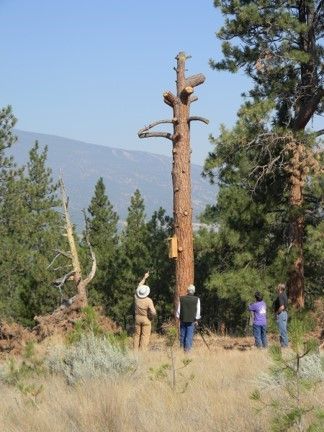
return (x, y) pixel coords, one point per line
(181, 172)
(76, 274)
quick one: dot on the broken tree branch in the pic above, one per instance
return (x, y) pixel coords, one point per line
(193, 98)
(53, 260)
(197, 118)
(144, 133)
(169, 98)
(187, 91)
(92, 273)
(69, 234)
(66, 254)
(155, 134)
(61, 281)
(195, 80)
(157, 122)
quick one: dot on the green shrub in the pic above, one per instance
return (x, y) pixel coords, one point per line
(20, 374)
(86, 325)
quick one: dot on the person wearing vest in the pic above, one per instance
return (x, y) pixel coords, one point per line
(188, 312)
(144, 312)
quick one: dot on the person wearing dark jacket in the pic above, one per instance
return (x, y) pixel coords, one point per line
(188, 313)
(280, 307)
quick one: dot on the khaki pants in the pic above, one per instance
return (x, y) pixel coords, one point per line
(142, 332)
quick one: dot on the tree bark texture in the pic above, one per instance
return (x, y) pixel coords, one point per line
(181, 169)
(181, 179)
(311, 94)
(295, 284)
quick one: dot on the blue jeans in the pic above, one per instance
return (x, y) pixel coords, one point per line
(282, 325)
(260, 335)
(187, 330)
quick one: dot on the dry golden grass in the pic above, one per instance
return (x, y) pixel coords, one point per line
(217, 399)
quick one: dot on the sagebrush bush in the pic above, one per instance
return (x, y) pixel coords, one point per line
(90, 357)
(294, 374)
(310, 369)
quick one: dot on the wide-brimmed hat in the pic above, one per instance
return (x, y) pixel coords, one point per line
(142, 291)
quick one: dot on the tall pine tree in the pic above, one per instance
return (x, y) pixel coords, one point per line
(268, 162)
(45, 236)
(162, 272)
(103, 235)
(133, 259)
(31, 235)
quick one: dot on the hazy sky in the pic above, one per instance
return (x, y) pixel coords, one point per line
(96, 70)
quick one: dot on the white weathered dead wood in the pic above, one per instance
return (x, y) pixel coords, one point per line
(198, 118)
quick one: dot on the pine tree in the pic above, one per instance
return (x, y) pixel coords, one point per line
(31, 235)
(162, 274)
(266, 160)
(14, 236)
(102, 225)
(7, 175)
(44, 233)
(133, 259)
(7, 136)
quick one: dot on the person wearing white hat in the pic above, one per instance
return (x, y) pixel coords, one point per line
(144, 310)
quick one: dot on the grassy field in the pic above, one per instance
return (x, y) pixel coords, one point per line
(211, 394)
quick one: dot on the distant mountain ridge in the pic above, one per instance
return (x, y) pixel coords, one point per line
(123, 172)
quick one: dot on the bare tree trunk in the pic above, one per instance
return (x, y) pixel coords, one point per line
(295, 284)
(81, 284)
(181, 179)
(310, 97)
(181, 170)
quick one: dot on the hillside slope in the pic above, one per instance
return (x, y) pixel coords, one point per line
(123, 172)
